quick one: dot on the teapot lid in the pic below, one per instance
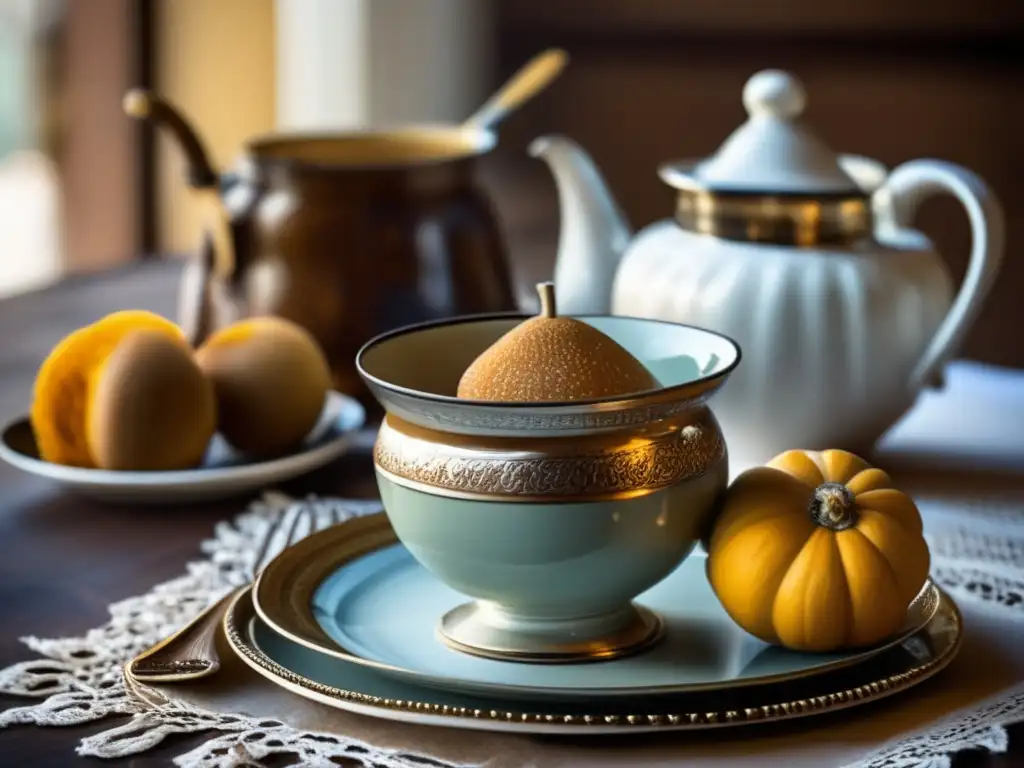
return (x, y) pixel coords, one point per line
(772, 152)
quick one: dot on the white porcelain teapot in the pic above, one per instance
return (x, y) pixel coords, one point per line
(806, 258)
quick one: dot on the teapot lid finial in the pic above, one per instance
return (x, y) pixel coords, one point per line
(772, 152)
(774, 93)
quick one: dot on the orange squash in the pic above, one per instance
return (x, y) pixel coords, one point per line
(61, 395)
(817, 552)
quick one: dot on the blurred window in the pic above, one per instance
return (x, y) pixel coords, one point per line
(30, 226)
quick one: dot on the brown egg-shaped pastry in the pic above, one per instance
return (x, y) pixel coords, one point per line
(271, 380)
(553, 359)
(150, 407)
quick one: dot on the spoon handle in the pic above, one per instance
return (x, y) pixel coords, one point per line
(188, 654)
(191, 652)
(531, 79)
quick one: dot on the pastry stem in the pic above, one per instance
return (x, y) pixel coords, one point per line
(548, 307)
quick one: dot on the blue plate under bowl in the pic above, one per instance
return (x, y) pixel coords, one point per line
(352, 593)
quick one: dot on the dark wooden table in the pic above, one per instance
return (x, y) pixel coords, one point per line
(63, 559)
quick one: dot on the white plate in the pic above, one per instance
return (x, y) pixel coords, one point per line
(224, 472)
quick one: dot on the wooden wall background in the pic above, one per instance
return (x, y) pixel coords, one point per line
(97, 58)
(652, 80)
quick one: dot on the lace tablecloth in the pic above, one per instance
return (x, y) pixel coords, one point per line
(960, 452)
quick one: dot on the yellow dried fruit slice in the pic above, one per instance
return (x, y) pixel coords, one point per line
(60, 397)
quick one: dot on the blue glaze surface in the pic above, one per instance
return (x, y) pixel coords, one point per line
(384, 607)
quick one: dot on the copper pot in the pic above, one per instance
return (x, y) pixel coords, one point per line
(348, 234)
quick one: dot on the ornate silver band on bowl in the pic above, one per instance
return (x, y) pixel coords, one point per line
(504, 420)
(578, 469)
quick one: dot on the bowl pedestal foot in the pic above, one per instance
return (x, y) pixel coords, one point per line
(486, 629)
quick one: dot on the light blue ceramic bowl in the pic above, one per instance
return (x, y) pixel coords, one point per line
(551, 516)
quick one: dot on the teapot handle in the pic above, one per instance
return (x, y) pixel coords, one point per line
(910, 184)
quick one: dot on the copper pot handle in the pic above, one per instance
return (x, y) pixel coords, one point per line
(217, 252)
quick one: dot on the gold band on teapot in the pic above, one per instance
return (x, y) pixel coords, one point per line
(801, 220)
(615, 466)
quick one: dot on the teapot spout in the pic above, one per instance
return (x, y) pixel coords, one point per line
(204, 181)
(144, 105)
(594, 231)
(218, 250)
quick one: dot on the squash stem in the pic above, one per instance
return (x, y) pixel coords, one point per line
(833, 506)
